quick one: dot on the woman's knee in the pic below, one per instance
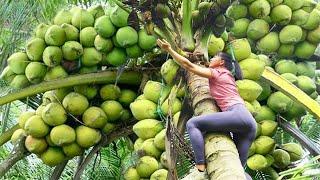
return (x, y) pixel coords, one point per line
(191, 124)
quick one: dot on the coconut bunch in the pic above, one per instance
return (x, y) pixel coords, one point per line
(71, 120)
(77, 41)
(157, 101)
(287, 28)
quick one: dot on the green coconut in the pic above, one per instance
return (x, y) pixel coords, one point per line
(35, 72)
(281, 158)
(147, 128)
(126, 115)
(17, 134)
(110, 92)
(131, 174)
(215, 45)
(159, 140)
(102, 44)
(40, 109)
(270, 159)
(281, 14)
(35, 145)
(164, 160)
(85, 70)
(153, 89)
(145, 41)
(259, 9)
(266, 90)
(113, 110)
(90, 91)
(87, 137)
(252, 149)
(72, 150)
(250, 108)
(257, 29)
(134, 51)
(286, 50)
(268, 127)
(49, 97)
(115, 42)
(265, 113)
(35, 48)
(56, 72)
(286, 66)
(55, 36)
(313, 20)
(96, 11)
(269, 43)
(146, 166)
(41, 30)
(295, 151)
(143, 109)
(295, 111)
(309, 5)
(160, 174)
(87, 36)
(305, 50)
(119, 17)
(108, 128)
(127, 36)
(7, 74)
(290, 34)
(54, 114)
(314, 36)
(72, 33)
(241, 49)
(168, 72)
(252, 68)
(53, 156)
(305, 69)
(52, 56)
(239, 29)
(127, 96)
(36, 127)
(171, 105)
(82, 18)
(306, 84)
(279, 102)
(138, 144)
(293, 4)
(75, 103)
(264, 145)
(62, 134)
(62, 16)
(274, 3)
(116, 57)
(256, 105)
(24, 117)
(290, 77)
(19, 81)
(18, 62)
(149, 148)
(248, 89)
(258, 130)
(91, 56)
(299, 17)
(72, 50)
(246, 1)
(94, 117)
(237, 11)
(257, 162)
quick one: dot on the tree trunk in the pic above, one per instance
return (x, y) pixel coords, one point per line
(221, 154)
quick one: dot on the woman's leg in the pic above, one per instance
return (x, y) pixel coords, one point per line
(228, 121)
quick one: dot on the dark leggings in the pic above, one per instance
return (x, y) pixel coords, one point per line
(237, 119)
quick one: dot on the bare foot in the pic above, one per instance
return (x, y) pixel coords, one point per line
(201, 167)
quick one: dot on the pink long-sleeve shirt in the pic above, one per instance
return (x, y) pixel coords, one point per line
(223, 88)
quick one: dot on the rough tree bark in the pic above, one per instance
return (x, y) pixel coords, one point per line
(222, 157)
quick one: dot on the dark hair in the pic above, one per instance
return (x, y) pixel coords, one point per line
(232, 65)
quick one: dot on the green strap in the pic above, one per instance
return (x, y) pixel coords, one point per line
(233, 59)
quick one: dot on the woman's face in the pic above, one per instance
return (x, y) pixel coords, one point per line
(216, 61)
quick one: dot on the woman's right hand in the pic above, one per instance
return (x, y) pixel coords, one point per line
(163, 44)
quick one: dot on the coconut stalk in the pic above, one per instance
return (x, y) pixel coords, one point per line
(129, 77)
(5, 137)
(187, 41)
(58, 170)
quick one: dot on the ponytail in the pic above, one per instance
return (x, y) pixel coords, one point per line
(232, 65)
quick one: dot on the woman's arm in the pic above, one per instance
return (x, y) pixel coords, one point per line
(184, 62)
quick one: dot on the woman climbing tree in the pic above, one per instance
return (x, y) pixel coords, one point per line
(222, 73)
